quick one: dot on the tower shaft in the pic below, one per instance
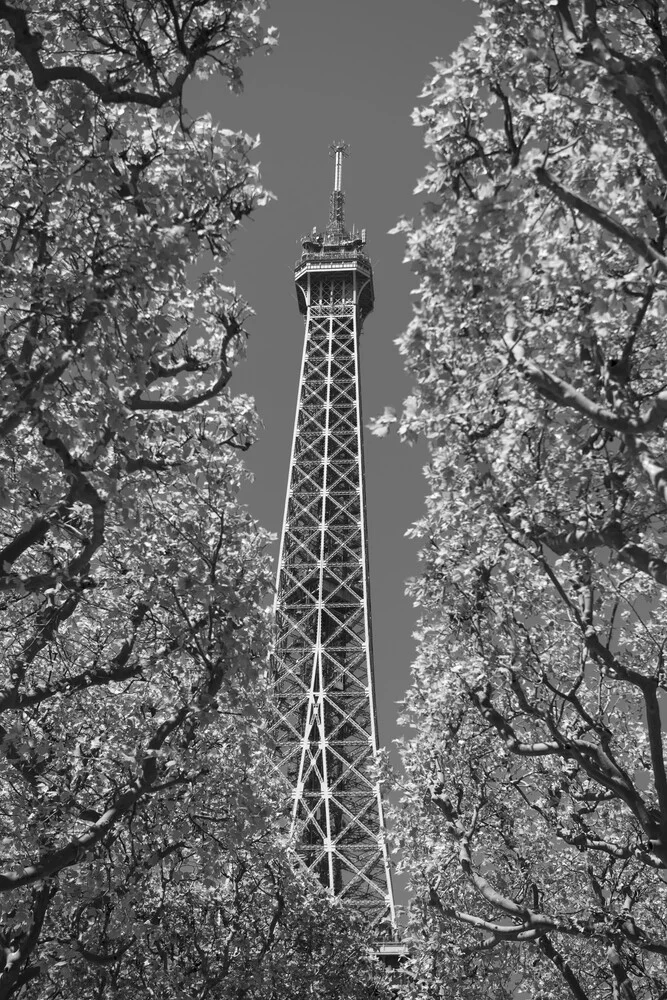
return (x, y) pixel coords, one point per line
(325, 725)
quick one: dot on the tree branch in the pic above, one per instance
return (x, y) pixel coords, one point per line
(654, 727)
(558, 390)
(81, 489)
(636, 243)
(29, 44)
(11, 698)
(610, 536)
(78, 847)
(625, 77)
(14, 973)
(563, 966)
(625, 988)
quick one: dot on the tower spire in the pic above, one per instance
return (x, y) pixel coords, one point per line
(336, 227)
(324, 723)
(338, 150)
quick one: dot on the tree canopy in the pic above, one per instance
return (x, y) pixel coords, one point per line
(534, 815)
(142, 848)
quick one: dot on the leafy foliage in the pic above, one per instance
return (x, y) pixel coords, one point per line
(538, 348)
(142, 853)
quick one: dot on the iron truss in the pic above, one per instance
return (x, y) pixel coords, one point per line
(325, 725)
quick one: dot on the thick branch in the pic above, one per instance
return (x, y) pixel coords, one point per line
(624, 76)
(29, 385)
(623, 981)
(563, 967)
(36, 532)
(82, 490)
(232, 331)
(656, 473)
(559, 391)
(135, 402)
(636, 243)
(29, 44)
(598, 764)
(529, 918)
(47, 624)
(78, 847)
(14, 973)
(610, 536)
(504, 932)
(98, 959)
(484, 705)
(654, 726)
(527, 930)
(119, 670)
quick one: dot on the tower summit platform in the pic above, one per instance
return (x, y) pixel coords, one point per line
(336, 249)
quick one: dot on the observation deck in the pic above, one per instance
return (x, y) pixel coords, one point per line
(343, 257)
(346, 258)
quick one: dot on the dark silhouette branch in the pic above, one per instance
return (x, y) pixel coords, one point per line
(564, 967)
(29, 44)
(54, 861)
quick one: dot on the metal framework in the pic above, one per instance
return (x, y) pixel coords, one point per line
(325, 723)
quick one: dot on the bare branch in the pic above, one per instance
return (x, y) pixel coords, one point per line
(609, 536)
(14, 973)
(563, 967)
(36, 532)
(560, 391)
(64, 857)
(29, 44)
(120, 669)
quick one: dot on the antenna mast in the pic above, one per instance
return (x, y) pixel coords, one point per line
(336, 227)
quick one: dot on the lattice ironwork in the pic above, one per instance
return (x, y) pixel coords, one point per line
(325, 725)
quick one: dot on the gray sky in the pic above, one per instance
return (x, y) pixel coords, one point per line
(351, 70)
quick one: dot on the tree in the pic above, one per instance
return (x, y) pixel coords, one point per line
(534, 816)
(142, 849)
(199, 897)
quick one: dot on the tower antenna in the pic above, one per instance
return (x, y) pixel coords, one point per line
(336, 228)
(338, 150)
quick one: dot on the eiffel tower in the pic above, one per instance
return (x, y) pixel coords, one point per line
(325, 726)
